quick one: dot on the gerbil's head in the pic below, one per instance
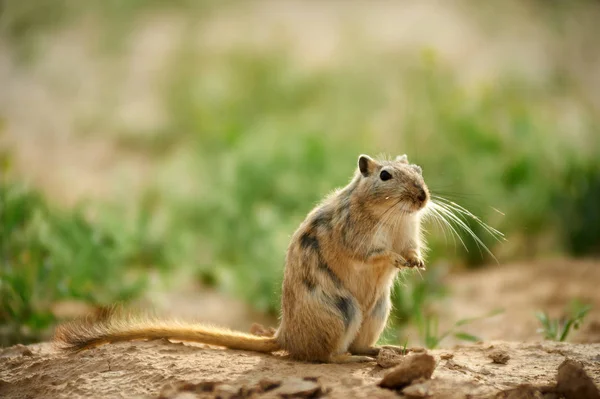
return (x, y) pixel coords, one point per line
(394, 183)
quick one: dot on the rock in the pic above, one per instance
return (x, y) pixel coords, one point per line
(298, 388)
(499, 356)
(226, 391)
(524, 391)
(446, 356)
(174, 390)
(418, 349)
(388, 358)
(418, 390)
(248, 392)
(411, 368)
(267, 384)
(573, 382)
(204, 386)
(452, 365)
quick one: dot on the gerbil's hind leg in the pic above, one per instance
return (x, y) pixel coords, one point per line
(366, 351)
(371, 328)
(346, 358)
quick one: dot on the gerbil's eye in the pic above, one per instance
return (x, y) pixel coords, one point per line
(385, 175)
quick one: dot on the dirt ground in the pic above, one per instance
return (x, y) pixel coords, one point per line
(165, 369)
(520, 290)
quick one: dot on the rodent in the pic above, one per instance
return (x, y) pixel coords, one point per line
(339, 269)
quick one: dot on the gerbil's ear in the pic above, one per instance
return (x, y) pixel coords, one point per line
(402, 158)
(366, 165)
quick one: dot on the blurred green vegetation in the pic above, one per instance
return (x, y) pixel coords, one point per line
(252, 141)
(558, 329)
(48, 255)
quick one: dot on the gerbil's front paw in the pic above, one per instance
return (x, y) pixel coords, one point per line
(415, 261)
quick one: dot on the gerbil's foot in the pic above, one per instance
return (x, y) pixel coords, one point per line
(369, 351)
(346, 358)
(415, 261)
(374, 350)
(262, 331)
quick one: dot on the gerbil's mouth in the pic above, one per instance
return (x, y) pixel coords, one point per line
(414, 205)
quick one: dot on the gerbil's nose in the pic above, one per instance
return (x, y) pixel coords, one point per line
(422, 195)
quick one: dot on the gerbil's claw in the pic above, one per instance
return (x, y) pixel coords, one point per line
(416, 263)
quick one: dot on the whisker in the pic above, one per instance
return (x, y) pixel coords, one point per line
(499, 211)
(441, 212)
(448, 212)
(431, 213)
(453, 206)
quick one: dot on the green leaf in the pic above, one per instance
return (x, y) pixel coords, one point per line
(565, 332)
(467, 337)
(543, 318)
(494, 312)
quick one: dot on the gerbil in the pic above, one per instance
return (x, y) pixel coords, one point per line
(339, 270)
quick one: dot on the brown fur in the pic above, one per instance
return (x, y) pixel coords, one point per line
(340, 267)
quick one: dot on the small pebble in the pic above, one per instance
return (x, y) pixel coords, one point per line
(574, 383)
(499, 356)
(298, 388)
(388, 358)
(268, 384)
(418, 349)
(418, 390)
(411, 368)
(226, 391)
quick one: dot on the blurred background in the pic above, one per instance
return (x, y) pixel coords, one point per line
(161, 154)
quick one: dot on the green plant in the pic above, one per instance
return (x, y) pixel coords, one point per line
(432, 337)
(558, 329)
(414, 293)
(404, 346)
(48, 255)
(577, 207)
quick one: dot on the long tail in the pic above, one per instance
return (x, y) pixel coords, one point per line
(111, 325)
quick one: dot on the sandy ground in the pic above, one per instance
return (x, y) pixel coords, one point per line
(167, 370)
(164, 369)
(520, 290)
